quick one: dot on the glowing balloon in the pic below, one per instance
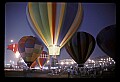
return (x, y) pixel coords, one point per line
(13, 47)
(29, 48)
(54, 23)
(106, 40)
(80, 47)
(41, 60)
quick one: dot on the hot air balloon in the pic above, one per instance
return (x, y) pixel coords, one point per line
(13, 47)
(54, 23)
(41, 60)
(29, 48)
(80, 47)
(106, 40)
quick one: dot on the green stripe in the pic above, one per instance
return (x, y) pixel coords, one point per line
(44, 16)
(39, 19)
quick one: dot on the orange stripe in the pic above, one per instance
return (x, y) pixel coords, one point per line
(53, 19)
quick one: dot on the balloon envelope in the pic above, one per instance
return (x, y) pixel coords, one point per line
(80, 47)
(13, 47)
(54, 23)
(41, 60)
(29, 48)
(106, 40)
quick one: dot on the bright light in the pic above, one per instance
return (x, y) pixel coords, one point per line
(101, 58)
(37, 68)
(89, 60)
(72, 62)
(62, 63)
(48, 61)
(17, 54)
(114, 62)
(13, 45)
(45, 68)
(93, 61)
(13, 62)
(99, 61)
(86, 65)
(54, 50)
(67, 63)
(107, 58)
(53, 67)
(11, 40)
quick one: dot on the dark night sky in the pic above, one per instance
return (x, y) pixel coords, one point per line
(96, 17)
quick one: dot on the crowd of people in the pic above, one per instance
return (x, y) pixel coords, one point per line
(95, 72)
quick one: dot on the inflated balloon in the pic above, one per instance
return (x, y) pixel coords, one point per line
(41, 60)
(106, 40)
(29, 48)
(80, 47)
(54, 23)
(13, 47)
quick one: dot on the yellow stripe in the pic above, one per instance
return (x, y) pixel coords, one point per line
(49, 6)
(62, 11)
(35, 23)
(74, 26)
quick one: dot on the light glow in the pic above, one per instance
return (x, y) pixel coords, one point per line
(17, 54)
(11, 40)
(54, 50)
(67, 63)
(62, 63)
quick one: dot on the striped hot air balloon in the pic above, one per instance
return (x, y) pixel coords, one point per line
(80, 47)
(41, 60)
(13, 47)
(29, 48)
(54, 22)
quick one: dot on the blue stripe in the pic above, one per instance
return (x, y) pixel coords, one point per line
(70, 13)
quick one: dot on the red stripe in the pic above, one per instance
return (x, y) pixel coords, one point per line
(53, 19)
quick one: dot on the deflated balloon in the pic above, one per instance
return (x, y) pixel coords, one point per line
(30, 49)
(80, 47)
